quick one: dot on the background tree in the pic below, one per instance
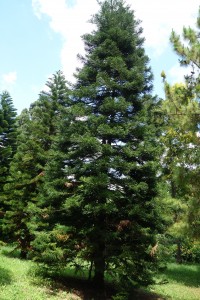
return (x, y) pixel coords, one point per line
(179, 160)
(7, 140)
(101, 182)
(37, 126)
(188, 51)
(7, 134)
(21, 187)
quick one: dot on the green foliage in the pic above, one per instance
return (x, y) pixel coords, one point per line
(180, 112)
(7, 139)
(37, 129)
(22, 184)
(179, 164)
(8, 135)
(7, 128)
(191, 251)
(188, 51)
(100, 183)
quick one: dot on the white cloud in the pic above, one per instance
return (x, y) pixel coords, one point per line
(177, 74)
(9, 78)
(159, 17)
(71, 21)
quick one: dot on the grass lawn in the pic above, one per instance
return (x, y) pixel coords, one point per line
(178, 282)
(18, 282)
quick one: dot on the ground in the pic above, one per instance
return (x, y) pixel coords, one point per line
(19, 280)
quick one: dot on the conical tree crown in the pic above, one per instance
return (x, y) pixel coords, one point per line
(115, 60)
(7, 135)
(100, 182)
(36, 132)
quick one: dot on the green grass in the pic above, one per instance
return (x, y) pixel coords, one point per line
(178, 282)
(19, 282)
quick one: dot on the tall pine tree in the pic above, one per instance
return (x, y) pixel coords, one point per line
(101, 181)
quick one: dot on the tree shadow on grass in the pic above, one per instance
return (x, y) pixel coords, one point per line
(5, 276)
(85, 289)
(185, 274)
(140, 294)
(11, 252)
(80, 287)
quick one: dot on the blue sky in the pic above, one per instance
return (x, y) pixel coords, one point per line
(39, 37)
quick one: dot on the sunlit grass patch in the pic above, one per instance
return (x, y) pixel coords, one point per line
(18, 281)
(24, 280)
(179, 282)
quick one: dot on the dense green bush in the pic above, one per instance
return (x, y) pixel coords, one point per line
(167, 250)
(191, 252)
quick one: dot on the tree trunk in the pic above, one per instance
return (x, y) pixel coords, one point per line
(178, 253)
(99, 269)
(23, 254)
(24, 245)
(98, 280)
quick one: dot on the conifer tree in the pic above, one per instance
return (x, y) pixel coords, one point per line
(100, 182)
(7, 140)
(7, 133)
(188, 51)
(180, 144)
(37, 127)
(21, 188)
